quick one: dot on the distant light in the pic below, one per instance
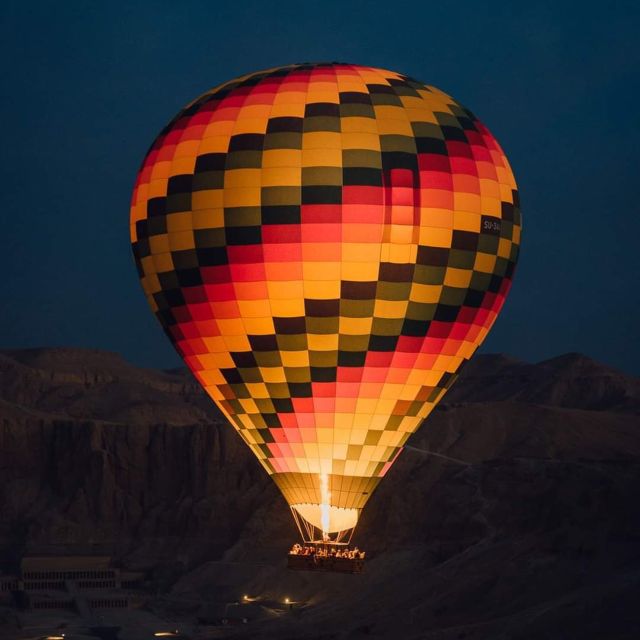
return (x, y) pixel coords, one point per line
(245, 597)
(287, 601)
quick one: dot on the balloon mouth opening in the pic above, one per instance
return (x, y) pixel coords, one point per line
(327, 518)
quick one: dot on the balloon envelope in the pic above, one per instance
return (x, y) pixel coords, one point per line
(325, 245)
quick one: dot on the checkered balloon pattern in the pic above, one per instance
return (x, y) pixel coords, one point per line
(325, 245)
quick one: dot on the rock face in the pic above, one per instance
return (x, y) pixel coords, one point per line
(99, 456)
(529, 530)
(572, 381)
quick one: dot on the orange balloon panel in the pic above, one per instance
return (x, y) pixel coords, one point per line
(325, 245)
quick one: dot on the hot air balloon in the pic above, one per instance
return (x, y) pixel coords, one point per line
(325, 245)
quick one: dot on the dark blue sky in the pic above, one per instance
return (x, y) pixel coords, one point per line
(87, 86)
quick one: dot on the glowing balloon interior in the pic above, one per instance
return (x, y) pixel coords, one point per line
(325, 245)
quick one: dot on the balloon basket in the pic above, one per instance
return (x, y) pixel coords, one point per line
(321, 551)
(313, 561)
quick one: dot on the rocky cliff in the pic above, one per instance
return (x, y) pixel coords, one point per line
(530, 530)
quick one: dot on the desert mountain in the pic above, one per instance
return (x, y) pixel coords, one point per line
(529, 530)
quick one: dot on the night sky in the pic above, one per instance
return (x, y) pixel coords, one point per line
(87, 86)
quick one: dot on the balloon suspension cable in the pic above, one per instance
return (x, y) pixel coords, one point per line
(313, 535)
(438, 455)
(304, 527)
